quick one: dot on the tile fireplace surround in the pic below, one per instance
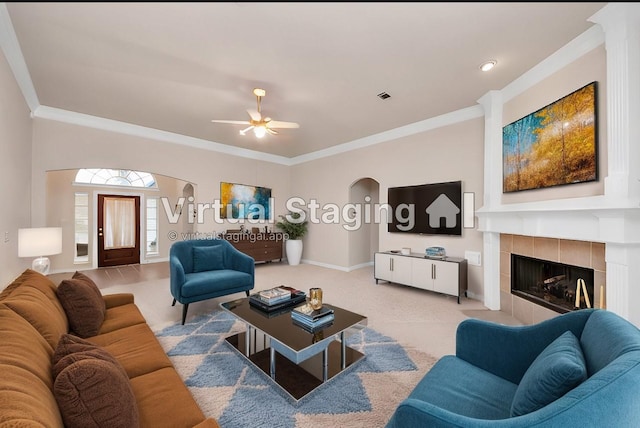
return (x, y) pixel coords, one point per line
(604, 238)
(577, 253)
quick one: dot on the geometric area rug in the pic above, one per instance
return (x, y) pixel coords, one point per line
(238, 395)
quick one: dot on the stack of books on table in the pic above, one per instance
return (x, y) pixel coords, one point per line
(312, 319)
(277, 298)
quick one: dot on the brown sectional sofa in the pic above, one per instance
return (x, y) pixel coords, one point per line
(32, 320)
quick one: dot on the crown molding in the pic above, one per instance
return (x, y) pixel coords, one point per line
(578, 47)
(457, 116)
(81, 119)
(13, 53)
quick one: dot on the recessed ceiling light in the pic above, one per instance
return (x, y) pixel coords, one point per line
(486, 66)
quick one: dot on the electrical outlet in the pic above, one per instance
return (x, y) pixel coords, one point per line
(6, 237)
(473, 257)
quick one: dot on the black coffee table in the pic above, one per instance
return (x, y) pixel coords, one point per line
(295, 359)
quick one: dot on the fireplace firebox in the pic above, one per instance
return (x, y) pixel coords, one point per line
(551, 284)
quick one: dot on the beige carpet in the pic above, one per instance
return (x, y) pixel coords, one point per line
(416, 318)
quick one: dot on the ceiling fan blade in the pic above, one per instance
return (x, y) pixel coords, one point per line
(271, 131)
(244, 131)
(255, 114)
(279, 124)
(233, 122)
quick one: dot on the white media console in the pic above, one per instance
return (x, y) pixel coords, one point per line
(447, 275)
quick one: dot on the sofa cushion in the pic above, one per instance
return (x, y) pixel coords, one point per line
(95, 393)
(136, 348)
(599, 346)
(33, 297)
(208, 258)
(83, 304)
(72, 348)
(155, 389)
(118, 317)
(26, 401)
(22, 347)
(26, 382)
(215, 283)
(477, 394)
(558, 369)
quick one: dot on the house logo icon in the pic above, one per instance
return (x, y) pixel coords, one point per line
(441, 207)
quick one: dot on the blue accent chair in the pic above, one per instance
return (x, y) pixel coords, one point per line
(494, 366)
(203, 269)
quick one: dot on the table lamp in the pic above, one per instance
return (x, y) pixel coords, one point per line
(40, 242)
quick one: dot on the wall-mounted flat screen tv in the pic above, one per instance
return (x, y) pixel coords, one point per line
(430, 209)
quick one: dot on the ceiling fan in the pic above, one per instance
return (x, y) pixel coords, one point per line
(260, 125)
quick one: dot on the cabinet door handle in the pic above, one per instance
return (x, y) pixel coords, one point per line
(433, 271)
(391, 265)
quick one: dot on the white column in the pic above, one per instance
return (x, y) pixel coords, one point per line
(623, 271)
(491, 102)
(621, 25)
(491, 248)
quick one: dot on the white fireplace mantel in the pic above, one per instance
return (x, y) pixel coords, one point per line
(596, 219)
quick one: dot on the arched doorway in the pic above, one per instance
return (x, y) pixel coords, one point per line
(364, 196)
(187, 220)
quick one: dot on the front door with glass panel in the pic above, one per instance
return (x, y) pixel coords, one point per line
(118, 230)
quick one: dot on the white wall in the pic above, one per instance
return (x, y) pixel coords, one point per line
(15, 173)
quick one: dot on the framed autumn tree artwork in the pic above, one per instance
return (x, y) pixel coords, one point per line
(553, 146)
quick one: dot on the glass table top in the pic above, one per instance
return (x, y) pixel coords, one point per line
(281, 327)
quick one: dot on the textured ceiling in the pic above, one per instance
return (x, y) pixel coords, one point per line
(176, 66)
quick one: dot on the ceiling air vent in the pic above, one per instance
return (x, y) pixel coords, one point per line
(383, 95)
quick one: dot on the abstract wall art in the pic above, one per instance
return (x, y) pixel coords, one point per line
(240, 201)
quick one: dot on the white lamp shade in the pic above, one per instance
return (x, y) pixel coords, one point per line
(39, 241)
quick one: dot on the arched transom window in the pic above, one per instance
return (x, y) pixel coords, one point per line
(116, 177)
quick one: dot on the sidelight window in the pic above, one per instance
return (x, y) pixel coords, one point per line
(81, 226)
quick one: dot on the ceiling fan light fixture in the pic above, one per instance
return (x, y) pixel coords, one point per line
(488, 65)
(260, 131)
(261, 125)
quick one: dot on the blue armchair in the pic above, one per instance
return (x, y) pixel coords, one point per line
(203, 269)
(579, 369)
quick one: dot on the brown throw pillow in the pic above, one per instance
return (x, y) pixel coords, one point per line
(72, 348)
(83, 304)
(88, 281)
(95, 393)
